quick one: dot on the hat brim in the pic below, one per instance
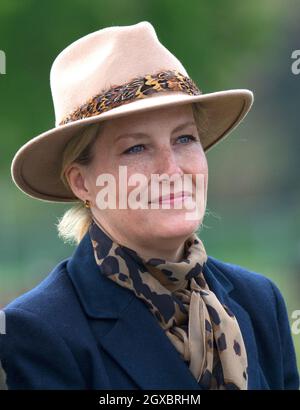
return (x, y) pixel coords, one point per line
(36, 166)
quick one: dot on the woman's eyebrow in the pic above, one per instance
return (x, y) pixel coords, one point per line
(142, 134)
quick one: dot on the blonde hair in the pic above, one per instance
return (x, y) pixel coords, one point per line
(74, 223)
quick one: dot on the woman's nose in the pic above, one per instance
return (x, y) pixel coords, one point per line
(167, 162)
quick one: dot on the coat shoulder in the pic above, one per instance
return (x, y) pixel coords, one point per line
(242, 278)
(254, 291)
(40, 326)
(260, 297)
(51, 295)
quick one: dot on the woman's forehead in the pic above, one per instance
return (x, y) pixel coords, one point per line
(170, 116)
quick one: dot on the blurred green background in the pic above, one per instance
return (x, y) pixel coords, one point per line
(253, 198)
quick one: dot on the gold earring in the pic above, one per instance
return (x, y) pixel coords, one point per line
(87, 203)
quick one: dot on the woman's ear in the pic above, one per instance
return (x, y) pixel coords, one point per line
(77, 181)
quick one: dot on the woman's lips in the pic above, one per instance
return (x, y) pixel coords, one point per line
(171, 198)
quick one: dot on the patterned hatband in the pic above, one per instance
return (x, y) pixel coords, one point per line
(137, 88)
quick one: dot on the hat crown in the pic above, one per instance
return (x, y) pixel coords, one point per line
(105, 58)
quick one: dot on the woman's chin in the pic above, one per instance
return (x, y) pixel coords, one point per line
(173, 223)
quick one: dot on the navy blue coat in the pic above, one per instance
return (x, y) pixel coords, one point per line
(78, 329)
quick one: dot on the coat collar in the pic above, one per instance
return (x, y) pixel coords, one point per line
(102, 298)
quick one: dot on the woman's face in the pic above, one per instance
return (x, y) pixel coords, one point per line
(146, 143)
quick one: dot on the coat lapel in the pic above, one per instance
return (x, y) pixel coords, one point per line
(134, 339)
(139, 345)
(221, 286)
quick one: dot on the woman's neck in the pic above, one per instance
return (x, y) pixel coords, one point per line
(169, 255)
(172, 252)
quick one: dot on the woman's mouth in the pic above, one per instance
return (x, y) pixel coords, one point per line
(172, 198)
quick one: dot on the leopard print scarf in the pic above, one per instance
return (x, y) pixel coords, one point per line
(205, 332)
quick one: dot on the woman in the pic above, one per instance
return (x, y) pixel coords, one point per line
(139, 304)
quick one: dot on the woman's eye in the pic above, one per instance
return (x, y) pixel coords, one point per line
(187, 138)
(133, 149)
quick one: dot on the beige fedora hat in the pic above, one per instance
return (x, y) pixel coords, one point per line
(106, 74)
